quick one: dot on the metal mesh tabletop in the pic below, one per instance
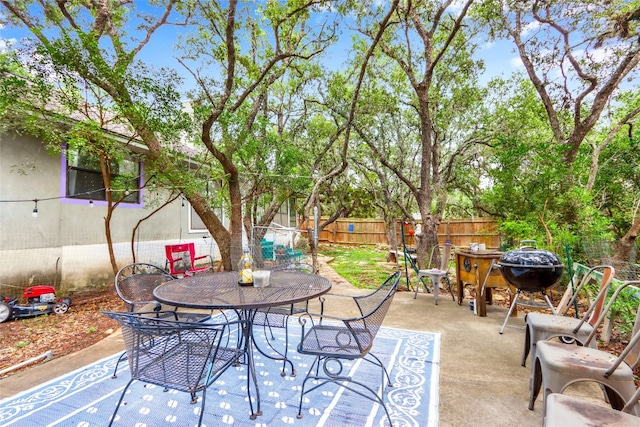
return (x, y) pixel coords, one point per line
(222, 291)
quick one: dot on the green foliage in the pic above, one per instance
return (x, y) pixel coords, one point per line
(534, 195)
(516, 231)
(617, 184)
(22, 99)
(624, 310)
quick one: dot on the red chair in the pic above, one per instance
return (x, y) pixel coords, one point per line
(181, 259)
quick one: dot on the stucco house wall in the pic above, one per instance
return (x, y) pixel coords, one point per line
(65, 245)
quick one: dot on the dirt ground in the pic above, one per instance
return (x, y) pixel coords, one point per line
(81, 326)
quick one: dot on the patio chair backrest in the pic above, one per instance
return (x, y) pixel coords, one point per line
(135, 284)
(295, 266)
(180, 257)
(302, 267)
(373, 309)
(631, 355)
(170, 353)
(371, 301)
(440, 256)
(593, 313)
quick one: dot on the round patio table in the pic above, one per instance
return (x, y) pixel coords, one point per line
(221, 291)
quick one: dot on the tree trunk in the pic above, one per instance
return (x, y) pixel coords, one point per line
(105, 170)
(429, 178)
(392, 239)
(219, 233)
(429, 238)
(628, 242)
(107, 231)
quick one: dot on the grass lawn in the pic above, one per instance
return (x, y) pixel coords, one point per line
(364, 266)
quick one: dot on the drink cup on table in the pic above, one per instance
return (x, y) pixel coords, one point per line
(261, 278)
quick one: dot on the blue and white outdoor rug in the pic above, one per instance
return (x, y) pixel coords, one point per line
(87, 396)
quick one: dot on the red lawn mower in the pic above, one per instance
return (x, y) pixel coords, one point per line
(41, 299)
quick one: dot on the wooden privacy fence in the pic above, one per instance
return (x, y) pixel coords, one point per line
(460, 232)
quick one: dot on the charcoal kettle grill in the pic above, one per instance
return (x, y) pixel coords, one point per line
(530, 270)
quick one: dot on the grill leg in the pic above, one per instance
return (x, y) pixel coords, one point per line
(513, 305)
(546, 297)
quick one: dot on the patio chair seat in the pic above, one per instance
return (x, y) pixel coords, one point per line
(439, 261)
(565, 410)
(338, 341)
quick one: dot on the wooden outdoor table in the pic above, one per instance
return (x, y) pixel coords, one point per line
(221, 291)
(472, 268)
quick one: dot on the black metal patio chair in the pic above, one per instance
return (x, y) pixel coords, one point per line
(334, 339)
(183, 356)
(135, 283)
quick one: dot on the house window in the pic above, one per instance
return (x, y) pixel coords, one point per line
(84, 177)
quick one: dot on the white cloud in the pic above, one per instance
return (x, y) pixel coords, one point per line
(598, 55)
(516, 62)
(5, 44)
(530, 27)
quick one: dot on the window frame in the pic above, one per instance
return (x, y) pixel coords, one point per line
(65, 168)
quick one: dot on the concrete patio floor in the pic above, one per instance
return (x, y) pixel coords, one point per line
(481, 380)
